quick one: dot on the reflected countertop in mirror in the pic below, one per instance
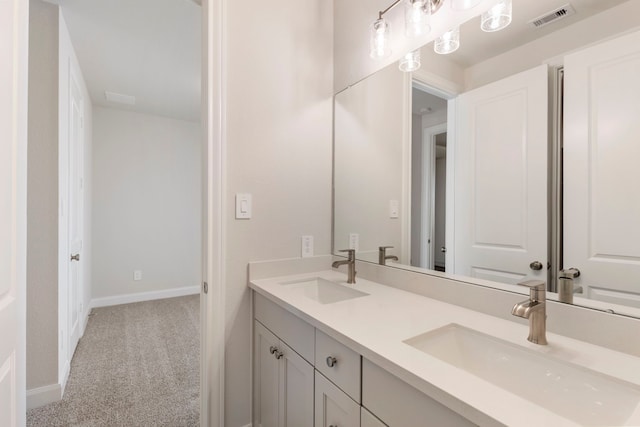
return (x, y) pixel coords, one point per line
(458, 167)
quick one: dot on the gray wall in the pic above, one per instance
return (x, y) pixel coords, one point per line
(146, 202)
(42, 197)
(278, 129)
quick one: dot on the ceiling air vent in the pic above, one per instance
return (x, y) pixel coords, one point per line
(547, 18)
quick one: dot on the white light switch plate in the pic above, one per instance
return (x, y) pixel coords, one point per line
(394, 209)
(243, 206)
(137, 275)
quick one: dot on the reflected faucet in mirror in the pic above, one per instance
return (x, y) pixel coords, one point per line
(566, 286)
(350, 262)
(383, 257)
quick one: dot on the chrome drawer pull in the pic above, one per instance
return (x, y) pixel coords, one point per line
(331, 362)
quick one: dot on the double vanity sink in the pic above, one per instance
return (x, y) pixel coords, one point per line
(478, 365)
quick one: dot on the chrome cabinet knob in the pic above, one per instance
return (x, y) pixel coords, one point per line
(536, 266)
(279, 354)
(75, 257)
(331, 361)
(273, 349)
(443, 250)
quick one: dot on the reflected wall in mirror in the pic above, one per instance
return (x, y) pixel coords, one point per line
(508, 160)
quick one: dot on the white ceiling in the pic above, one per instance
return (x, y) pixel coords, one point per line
(149, 49)
(425, 103)
(477, 46)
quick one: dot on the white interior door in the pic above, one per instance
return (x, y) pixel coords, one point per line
(601, 172)
(76, 156)
(500, 216)
(13, 215)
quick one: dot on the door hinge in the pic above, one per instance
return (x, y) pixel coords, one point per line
(205, 287)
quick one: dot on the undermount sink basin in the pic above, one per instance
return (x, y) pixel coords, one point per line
(324, 291)
(571, 391)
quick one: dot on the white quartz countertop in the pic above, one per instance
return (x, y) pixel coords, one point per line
(376, 326)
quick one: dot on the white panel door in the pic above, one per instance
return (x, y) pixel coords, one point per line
(601, 172)
(500, 174)
(14, 26)
(76, 166)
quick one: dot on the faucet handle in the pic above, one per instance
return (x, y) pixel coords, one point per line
(537, 289)
(380, 248)
(351, 253)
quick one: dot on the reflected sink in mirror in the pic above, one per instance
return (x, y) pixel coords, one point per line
(324, 291)
(571, 391)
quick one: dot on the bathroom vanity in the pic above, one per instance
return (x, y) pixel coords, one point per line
(327, 353)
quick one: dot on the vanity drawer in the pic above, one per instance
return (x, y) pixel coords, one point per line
(298, 334)
(339, 364)
(398, 404)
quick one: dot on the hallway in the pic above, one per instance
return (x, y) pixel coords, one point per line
(137, 364)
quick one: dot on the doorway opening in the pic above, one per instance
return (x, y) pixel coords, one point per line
(428, 178)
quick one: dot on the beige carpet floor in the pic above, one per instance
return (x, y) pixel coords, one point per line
(136, 365)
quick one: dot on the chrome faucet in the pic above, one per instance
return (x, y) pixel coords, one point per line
(383, 257)
(534, 309)
(350, 262)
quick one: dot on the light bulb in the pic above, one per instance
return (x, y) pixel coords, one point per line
(498, 17)
(379, 44)
(416, 17)
(410, 62)
(448, 42)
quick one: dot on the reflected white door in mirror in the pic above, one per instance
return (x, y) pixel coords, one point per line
(601, 154)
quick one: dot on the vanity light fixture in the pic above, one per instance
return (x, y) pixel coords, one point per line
(410, 62)
(497, 18)
(380, 31)
(464, 4)
(448, 42)
(416, 17)
(417, 13)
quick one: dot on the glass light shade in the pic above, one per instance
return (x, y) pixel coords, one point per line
(417, 14)
(410, 62)
(497, 18)
(379, 45)
(448, 42)
(464, 4)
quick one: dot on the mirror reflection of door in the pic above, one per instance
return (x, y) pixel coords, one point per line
(428, 178)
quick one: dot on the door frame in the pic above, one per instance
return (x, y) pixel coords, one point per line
(427, 228)
(448, 90)
(212, 306)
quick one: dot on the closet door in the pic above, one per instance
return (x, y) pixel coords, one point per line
(601, 172)
(500, 179)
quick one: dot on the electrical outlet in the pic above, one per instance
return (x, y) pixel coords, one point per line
(354, 241)
(307, 246)
(137, 275)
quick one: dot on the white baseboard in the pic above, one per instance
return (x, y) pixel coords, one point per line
(144, 296)
(66, 370)
(41, 396)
